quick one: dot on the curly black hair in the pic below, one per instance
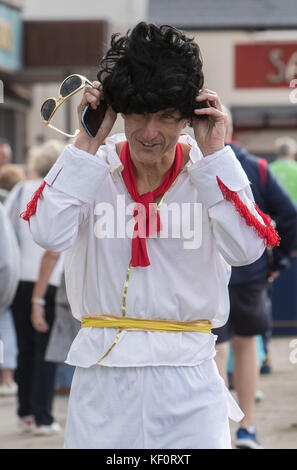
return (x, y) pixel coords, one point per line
(150, 69)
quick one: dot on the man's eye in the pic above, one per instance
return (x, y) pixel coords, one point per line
(167, 116)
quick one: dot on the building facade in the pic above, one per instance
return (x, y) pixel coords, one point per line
(59, 41)
(249, 51)
(40, 44)
(14, 98)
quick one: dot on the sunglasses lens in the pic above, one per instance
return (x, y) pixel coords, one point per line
(47, 109)
(70, 85)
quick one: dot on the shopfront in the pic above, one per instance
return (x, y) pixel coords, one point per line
(255, 75)
(53, 50)
(35, 56)
(270, 67)
(14, 100)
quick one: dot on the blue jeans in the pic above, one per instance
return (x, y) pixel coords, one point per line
(64, 375)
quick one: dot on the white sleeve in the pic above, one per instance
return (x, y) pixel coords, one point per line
(238, 242)
(72, 184)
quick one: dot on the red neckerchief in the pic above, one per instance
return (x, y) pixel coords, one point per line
(146, 215)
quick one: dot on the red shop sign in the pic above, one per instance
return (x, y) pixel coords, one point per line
(265, 65)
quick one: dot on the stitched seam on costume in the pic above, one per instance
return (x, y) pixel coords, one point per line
(123, 314)
(125, 290)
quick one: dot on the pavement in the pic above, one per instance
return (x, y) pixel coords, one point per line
(275, 416)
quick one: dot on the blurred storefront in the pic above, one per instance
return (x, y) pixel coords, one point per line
(34, 57)
(52, 51)
(249, 50)
(63, 37)
(14, 99)
(40, 44)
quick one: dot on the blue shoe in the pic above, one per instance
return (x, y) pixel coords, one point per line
(265, 369)
(246, 439)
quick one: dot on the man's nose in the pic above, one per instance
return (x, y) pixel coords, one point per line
(150, 129)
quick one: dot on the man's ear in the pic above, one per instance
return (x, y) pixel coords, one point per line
(186, 123)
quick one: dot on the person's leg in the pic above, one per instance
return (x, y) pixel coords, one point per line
(245, 376)
(43, 383)
(44, 371)
(7, 378)
(21, 309)
(221, 359)
(224, 334)
(250, 319)
(266, 365)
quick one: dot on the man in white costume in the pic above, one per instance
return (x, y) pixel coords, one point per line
(145, 372)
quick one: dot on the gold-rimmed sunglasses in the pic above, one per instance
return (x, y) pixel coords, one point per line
(70, 85)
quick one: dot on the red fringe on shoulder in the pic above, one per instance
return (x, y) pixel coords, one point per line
(266, 231)
(32, 205)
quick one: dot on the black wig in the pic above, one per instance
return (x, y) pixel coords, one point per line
(151, 69)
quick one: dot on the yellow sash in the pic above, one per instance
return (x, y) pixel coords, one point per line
(143, 324)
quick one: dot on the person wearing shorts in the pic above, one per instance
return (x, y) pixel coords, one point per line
(250, 306)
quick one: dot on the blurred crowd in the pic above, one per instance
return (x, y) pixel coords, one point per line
(36, 325)
(35, 317)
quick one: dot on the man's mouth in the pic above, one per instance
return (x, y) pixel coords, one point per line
(147, 144)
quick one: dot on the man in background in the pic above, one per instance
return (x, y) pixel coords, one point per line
(250, 307)
(284, 167)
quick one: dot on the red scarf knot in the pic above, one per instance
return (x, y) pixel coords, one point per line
(147, 217)
(147, 220)
(139, 214)
(32, 205)
(266, 231)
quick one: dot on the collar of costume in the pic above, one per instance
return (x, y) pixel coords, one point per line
(147, 217)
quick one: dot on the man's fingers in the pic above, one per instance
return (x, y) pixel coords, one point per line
(96, 84)
(212, 112)
(92, 96)
(206, 90)
(211, 97)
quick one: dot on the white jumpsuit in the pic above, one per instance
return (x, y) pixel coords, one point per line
(153, 389)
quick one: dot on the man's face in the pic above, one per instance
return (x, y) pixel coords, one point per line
(153, 136)
(5, 154)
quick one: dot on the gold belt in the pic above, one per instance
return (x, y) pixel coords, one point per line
(143, 324)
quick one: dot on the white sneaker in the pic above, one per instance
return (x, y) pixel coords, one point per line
(47, 429)
(259, 396)
(6, 390)
(27, 423)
